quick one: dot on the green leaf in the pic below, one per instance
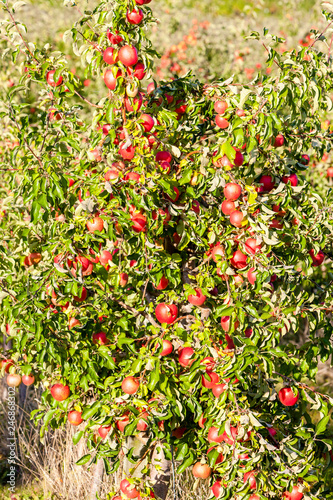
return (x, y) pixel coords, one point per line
(322, 424)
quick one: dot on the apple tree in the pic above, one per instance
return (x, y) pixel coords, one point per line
(161, 249)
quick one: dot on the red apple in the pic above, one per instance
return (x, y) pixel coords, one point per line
(103, 431)
(287, 396)
(142, 424)
(278, 141)
(218, 389)
(220, 107)
(110, 56)
(50, 79)
(123, 279)
(167, 348)
(291, 179)
(214, 436)
(110, 80)
(198, 299)
(163, 283)
(100, 338)
(121, 424)
(14, 380)
(130, 385)
(318, 259)
(250, 477)
(135, 16)
(217, 252)
(221, 122)
(128, 55)
(75, 417)
(267, 183)
(7, 363)
(127, 153)
(95, 224)
(252, 275)
(202, 471)
(128, 489)
(236, 218)
(185, 356)
(148, 122)
(232, 191)
(238, 260)
(60, 392)
(28, 379)
(217, 489)
(166, 313)
(295, 494)
(209, 379)
(83, 296)
(228, 207)
(251, 246)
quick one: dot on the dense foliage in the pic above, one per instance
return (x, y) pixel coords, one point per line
(161, 248)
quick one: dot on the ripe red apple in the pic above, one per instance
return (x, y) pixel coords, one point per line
(111, 174)
(202, 471)
(133, 104)
(276, 224)
(250, 477)
(291, 179)
(103, 431)
(230, 342)
(14, 380)
(75, 417)
(228, 207)
(329, 172)
(135, 16)
(166, 313)
(209, 379)
(239, 158)
(163, 283)
(83, 296)
(110, 80)
(167, 348)
(110, 56)
(127, 153)
(318, 259)
(142, 424)
(287, 396)
(73, 322)
(179, 432)
(105, 257)
(295, 494)
(225, 323)
(251, 246)
(214, 436)
(236, 218)
(130, 385)
(220, 107)
(123, 279)
(50, 79)
(217, 252)
(148, 122)
(279, 141)
(100, 338)
(305, 160)
(114, 38)
(272, 432)
(163, 156)
(139, 223)
(218, 389)
(121, 424)
(128, 55)
(95, 224)
(254, 497)
(252, 275)
(60, 392)
(217, 489)
(86, 265)
(28, 379)
(267, 182)
(221, 122)
(238, 260)
(139, 71)
(128, 489)
(185, 356)
(248, 332)
(198, 299)
(232, 191)
(175, 197)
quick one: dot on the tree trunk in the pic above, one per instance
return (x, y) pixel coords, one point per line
(160, 473)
